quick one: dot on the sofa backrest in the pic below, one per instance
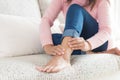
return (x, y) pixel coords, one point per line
(44, 4)
(25, 8)
(29, 9)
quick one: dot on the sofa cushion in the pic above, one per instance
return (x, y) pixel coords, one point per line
(113, 76)
(19, 36)
(84, 67)
(25, 8)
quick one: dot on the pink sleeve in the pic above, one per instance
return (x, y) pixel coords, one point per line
(47, 21)
(104, 32)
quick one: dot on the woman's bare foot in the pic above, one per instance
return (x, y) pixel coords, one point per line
(110, 51)
(56, 64)
(114, 51)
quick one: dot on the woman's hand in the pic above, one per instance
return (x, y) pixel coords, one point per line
(79, 44)
(54, 50)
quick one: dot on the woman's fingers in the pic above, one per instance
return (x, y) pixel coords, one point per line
(73, 41)
(77, 46)
(61, 47)
(58, 50)
(54, 50)
(76, 43)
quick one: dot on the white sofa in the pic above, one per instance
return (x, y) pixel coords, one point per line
(21, 51)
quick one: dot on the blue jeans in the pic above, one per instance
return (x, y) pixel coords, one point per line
(79, 23)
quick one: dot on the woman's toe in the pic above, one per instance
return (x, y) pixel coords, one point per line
(39, 68)
(118, 52)
(46, 68)
(50, 69)
(55, 69)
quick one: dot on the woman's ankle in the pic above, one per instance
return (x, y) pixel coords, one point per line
(68, 50)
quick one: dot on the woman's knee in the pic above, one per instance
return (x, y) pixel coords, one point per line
(75, 9)
(75, 6)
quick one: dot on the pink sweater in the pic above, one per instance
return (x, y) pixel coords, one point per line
(100, 12)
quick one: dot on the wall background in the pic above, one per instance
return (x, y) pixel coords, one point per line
(115, 14)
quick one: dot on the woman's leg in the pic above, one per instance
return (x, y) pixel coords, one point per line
(78, 23)
(57, 40)
(84, 25)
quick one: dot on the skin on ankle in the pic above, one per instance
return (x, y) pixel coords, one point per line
(68, 50)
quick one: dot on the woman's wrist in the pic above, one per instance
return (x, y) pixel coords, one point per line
(90, 47)
(87, 46)
(47, 47)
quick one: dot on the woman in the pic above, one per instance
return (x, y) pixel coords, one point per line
(87, 28)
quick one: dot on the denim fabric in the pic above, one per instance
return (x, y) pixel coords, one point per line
(79, 23)
(57, 39)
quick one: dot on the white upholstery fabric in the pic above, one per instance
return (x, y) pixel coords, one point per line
(44, 4)
(25, 8)
(84, 67)
(113, 76)
(19, 36)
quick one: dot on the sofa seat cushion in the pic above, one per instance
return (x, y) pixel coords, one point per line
(84, 67)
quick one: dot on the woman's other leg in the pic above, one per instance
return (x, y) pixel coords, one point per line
(80, 23)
